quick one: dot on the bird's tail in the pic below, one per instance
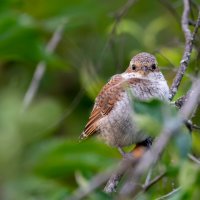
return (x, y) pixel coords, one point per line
(82, 137)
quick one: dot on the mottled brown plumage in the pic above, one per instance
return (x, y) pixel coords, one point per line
(112, 116)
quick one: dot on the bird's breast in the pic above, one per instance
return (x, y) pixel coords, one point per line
(118, 127)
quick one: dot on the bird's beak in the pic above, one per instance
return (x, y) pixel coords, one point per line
(145, 68)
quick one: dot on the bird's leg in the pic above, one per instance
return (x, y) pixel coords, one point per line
(124, 154)
(138, 150)
(121, 151)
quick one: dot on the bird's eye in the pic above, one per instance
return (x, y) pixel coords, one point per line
(153, 67)
(133, 67)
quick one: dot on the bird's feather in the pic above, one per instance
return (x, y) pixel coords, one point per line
(104, 103)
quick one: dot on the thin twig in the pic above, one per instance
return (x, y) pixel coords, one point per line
(195, 127)
(169, 195)
(171, 9)
(121, 12)
(95, 182)
(113, 181)
(192, 23)
(118, 174)
(101, 178)
(155, 180)
(74, 103)
(189, 37)
(41, 67)
(148, 178)
(194, 159)
(118, 17)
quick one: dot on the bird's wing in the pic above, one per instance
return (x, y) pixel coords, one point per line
(104, 103)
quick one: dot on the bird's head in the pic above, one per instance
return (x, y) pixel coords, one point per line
(143, 64)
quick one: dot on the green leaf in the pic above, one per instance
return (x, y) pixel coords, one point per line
(19, 39)
(188, 174)
(183, 142)
(62, 158)
(152, 115)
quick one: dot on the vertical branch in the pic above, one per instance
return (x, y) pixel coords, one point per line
(41, 67)
(189, 40)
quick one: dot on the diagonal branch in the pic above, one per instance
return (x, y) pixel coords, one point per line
(194, 159)
(41, 67)
(189, 38)
(118, 17)
(154, 181)
(169, 195)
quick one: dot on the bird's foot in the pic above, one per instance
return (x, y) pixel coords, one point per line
(124, 154)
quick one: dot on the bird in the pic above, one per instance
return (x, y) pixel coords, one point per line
(112, 116)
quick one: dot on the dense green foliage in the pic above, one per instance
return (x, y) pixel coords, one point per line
(40, 156)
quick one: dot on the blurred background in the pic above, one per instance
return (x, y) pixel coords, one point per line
(54, 58)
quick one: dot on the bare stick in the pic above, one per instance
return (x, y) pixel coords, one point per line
(118, 16)
(154, 181)
(41, 67)
(68, 111)
(116, 177)
(194, 159)
(189, 38)
(151, 156)
(169, 195)
(171, 9)
(148, 178)
(101, 178)
(113, 181)
(94, 183)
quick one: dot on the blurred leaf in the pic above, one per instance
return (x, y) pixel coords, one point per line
(10, 137)
(129, 27)
(183, 142)
(150, 116)
(18, 32)
(153, 29)
(27, 188)
(195, 142)
(187, 175)
(37, 121)
(62, 158)
(90, 80)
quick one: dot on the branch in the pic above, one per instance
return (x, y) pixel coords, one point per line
(171, 9)
(115, 178)
(194, 159)
(41, 67)
(151, 156)
(189, 38)
(113, 181)
(118, 16)
(192, 23)
(154, 181)
(101, 178)
(169, 195)
(124, 10)
(95, 182)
